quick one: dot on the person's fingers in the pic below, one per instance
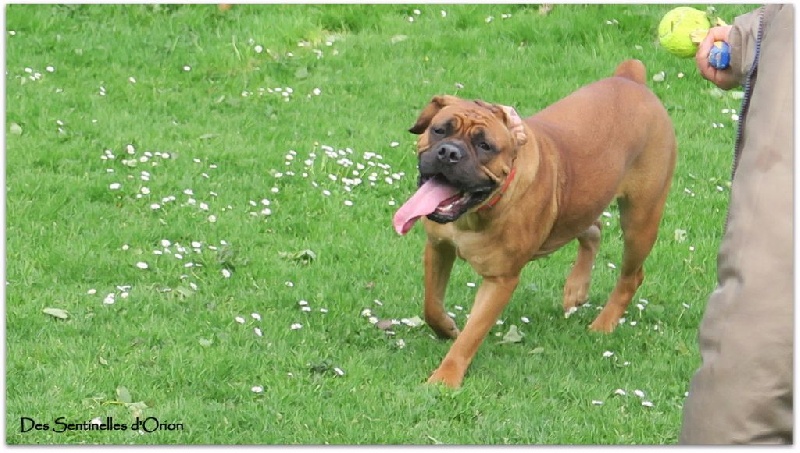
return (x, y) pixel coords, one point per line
(720, 33)
(701, 59)
(721, 78)
(701, 56)
(714, 34)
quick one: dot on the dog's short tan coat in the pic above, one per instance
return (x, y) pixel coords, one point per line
(609, 140)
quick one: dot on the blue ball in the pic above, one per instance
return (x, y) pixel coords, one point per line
(720, 55)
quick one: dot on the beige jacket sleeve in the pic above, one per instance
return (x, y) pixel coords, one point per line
(744, 35)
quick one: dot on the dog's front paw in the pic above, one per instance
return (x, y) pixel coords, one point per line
(608, 319)
(447, 374)
(575, 295)
(603, 325)
(444, 327)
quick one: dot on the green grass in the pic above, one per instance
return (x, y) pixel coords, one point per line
(201, 92)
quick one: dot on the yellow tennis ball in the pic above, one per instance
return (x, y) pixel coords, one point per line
(676, 28)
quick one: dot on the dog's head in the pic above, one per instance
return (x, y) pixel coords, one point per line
(465, 150)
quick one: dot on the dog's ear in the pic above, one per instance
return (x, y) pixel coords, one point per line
(514, 124)
(430, 110)
(509, 117)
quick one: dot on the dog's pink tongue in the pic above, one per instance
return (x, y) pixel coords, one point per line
(423, 202)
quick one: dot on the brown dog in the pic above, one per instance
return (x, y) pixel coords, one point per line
(498, 192)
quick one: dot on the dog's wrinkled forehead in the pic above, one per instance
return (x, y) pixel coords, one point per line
(445, 115)
(468, 119)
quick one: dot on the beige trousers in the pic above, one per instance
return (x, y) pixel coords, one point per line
(743, 391)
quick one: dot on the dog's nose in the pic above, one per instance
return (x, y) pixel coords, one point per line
(449, 153)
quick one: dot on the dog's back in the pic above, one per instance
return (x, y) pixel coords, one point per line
(610, 110)
(603, 130)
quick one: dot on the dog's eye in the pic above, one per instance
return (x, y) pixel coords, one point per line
(483, 146)
(438, 130)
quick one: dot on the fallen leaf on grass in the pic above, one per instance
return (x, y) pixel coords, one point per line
(321, 367)
(398, 38)
(716, 92)
(537, 350)
(301, 73)
(227, 257)
(15, 129)
(137, 408)
(124, 395)
(682, 349)
(123, 399)
(183, 292)
(302, 257)
(513, 335)
(56, 312)
(204, 342)
(416, 321)
(434, 440)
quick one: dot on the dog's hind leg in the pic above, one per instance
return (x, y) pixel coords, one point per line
(439, 258)
(576, 288)
(639, 223)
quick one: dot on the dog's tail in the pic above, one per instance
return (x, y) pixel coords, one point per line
(632, 70)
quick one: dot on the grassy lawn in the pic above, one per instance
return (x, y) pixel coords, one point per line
(208, 197)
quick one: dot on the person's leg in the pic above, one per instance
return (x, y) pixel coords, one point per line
(743, 391)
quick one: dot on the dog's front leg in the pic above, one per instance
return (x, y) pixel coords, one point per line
(492, 298)
(576, 288)
(439, 258)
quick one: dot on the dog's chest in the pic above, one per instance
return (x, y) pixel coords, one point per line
(488, 254)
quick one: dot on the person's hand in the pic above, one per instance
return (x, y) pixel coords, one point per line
(723, 78)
